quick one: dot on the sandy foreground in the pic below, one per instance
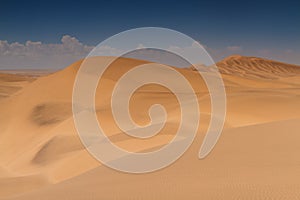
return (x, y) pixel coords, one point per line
(257, 156)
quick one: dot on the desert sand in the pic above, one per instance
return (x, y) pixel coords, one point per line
(256, 157)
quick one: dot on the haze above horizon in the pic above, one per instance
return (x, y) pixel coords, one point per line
(53, 34)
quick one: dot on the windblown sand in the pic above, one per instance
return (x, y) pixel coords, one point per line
(257, 156)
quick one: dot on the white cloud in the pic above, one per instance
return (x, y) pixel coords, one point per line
(36, 54)
(234, 48)
(105, 50)
(41, 55)
(140, 46)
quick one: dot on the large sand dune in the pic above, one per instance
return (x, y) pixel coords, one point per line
(257, 156)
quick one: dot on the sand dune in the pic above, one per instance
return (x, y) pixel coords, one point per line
(11, 83)
(41, 155)
(256, 67)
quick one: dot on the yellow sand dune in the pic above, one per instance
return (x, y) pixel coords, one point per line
(257, 156)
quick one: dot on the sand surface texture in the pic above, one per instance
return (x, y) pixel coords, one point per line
(257, 156)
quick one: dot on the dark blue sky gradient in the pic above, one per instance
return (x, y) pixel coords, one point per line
(254, 24)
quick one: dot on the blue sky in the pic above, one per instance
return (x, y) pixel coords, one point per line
(255, 28)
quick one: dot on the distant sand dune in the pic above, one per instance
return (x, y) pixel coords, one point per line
(256, 67)
(11, 83)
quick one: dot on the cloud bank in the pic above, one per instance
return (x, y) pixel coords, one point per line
(39, 55)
